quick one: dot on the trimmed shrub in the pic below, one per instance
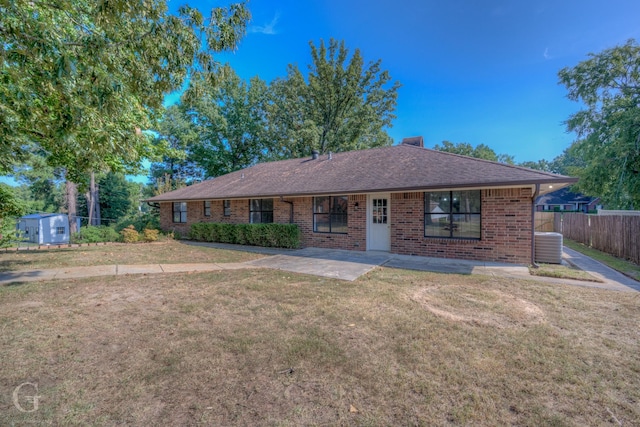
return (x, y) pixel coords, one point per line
(266, 235)
(129, 234)
(95, 234)
(149, 235)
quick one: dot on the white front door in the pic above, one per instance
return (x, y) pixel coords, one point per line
(378, 222)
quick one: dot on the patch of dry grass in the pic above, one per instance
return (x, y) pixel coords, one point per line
(262, 347)
(560, 271)
(166, 252)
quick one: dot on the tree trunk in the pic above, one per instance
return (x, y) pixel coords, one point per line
(71, 194)
(94, 206)
(93, 203)
(96, 199)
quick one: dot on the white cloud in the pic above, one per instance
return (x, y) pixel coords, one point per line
(546, 53)
(269, 29)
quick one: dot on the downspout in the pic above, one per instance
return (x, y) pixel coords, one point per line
(533, 226)
(290, 209)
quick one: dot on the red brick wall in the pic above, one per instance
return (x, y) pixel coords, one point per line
(302, 215)
(195, 213)
(505, 235)
(355, 239)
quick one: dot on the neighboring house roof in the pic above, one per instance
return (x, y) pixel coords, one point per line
(564, 196)
(386, 169)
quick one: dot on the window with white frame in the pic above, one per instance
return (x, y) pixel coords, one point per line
(207, 208)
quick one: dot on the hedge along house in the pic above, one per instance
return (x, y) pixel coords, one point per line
(404, 199)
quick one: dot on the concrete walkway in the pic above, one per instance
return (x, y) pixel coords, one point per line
(21, 276)
(338, 264)
(612, 279)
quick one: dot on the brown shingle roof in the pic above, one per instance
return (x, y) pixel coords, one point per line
(386, 169)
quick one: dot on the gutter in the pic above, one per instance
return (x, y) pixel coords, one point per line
(533, 226)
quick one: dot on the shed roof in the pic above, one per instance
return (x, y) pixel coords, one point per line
(41, 215)
(386, 169)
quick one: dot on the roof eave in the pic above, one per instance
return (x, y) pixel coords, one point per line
(557, 183)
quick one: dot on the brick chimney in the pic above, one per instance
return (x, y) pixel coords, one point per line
(414, 140)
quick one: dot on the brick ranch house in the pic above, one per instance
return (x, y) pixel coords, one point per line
(403, 199)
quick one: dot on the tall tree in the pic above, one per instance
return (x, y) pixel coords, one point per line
(44, 184)
(10, 208)
(342, 104)
(177, 131)
(79, 77)
(293, 134)
(117, 196)
(608, 84)
(115, 201)
(230, 120)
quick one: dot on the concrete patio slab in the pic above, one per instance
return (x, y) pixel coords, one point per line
(333, 263)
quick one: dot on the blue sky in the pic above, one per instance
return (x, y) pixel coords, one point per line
(482, 72)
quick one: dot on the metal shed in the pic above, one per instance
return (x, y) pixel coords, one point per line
(45, 228)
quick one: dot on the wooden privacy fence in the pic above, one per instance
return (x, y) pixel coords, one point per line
(615, 234)
(544, 221)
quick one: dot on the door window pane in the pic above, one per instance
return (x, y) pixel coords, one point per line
(379, 211)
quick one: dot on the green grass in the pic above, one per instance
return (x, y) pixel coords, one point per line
(559, 271)
(625, 267)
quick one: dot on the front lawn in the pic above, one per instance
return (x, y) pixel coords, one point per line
(166, 252)
(263, 347)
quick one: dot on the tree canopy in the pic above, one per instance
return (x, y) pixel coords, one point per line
(608, 84)
(342, 104)
(230, 121)
(81, 78)
(177, 131)
(481, 151)
(10, 207)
